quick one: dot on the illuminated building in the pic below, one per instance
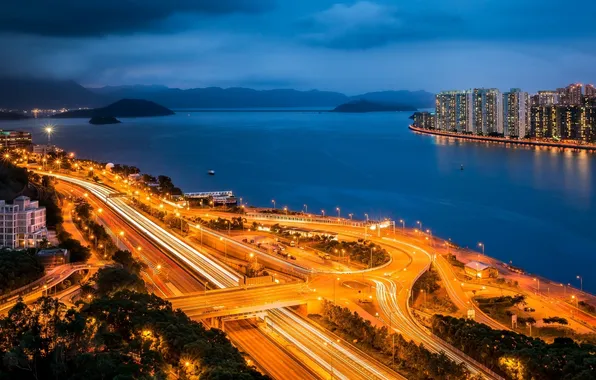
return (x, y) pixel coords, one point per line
(547, 98)
(590, 91)
(543, 122)
(454, 111)
(487, 111)
(22, 223)
(424, 120)
(15, 139)
(516, 113)
(570, 95)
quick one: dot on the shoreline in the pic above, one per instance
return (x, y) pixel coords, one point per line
(503, 140)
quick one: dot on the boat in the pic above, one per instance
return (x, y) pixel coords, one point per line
(211, 172)
(462, 167)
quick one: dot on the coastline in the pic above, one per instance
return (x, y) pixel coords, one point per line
(503, 140)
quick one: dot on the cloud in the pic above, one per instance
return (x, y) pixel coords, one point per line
(366, 24)
(79, 18)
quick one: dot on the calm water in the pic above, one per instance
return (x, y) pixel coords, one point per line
(534, 207)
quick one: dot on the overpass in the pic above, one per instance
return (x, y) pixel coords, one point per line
(240, 303)
(205, 194)
(309, 218)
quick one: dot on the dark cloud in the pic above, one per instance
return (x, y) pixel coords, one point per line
(366, 24)
(101, 17)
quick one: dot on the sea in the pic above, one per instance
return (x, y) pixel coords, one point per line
(533, 207)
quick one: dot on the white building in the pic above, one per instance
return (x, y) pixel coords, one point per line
(22, 223)
(487, 111)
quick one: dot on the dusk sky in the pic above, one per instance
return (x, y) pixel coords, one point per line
(348, 46)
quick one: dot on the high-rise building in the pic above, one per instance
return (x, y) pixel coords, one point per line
(22, 223)
(570, 95)
(516, 113)
(425, 120)
(571, 121)
(487, 111)
(547, 98)
(454, 111)
(590, 91)
(543, 122)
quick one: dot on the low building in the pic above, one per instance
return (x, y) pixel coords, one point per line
(15, 139)
(479, 269)
(424, 120)
(50, 258)
(22, 223)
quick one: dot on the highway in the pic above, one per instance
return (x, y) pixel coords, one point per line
(222, 277)
(272, 358)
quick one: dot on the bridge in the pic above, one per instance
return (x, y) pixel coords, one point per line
(241, 303)
(309, 218)
(206, 194)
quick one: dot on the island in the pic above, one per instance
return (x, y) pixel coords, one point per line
(121, 108)
(361, 106)
(101, 120)
(12, 116)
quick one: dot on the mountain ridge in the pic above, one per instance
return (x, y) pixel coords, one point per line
(30, 93)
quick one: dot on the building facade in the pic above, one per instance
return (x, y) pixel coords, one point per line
(487, 111)
(22, 223)
(15, 139)
(516, 113)
(454, 111)
(425, 120)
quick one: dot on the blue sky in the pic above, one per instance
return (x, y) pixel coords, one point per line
(348, 46)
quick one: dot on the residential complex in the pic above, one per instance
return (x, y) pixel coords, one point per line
(22, 223)
(568, 113)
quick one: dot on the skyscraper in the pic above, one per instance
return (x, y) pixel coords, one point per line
(543, 122)
(590, 91)
(570, 95)
(454, 111)
(487, 111)
(547, 98)
(516, 113)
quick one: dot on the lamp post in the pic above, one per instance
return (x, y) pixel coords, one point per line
(323, 213)
(273, 201)
(403, 225)
(200, 229)
(338, 212)
(120, 234)
(366, 215)
(305, 208)
(537, 280)
(286, 209)
(334, 292)
(581, 282)
(350, 215)
(371, 252)
(481, 245)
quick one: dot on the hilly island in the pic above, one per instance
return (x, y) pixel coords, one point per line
(121, 108)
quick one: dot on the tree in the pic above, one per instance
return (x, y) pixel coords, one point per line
(112, 280)
(78, 253)
(128, 262)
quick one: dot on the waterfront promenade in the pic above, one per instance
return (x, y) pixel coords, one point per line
(505, 140)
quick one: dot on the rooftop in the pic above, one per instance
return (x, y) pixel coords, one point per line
(477, 265)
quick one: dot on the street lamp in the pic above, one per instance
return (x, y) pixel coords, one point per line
(286, 209)
(350, 215)
(366, 215)
(338, 212)
(403, 225)
(419, 223)
(538, 280)
(581, 282)
(48, 130)
(305, 208)
(323, 212)
(371, 252)
(120, 234)
(273, 201)
(481, 245)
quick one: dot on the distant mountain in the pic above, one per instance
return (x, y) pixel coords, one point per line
(12, 116)
(55, 94)
(363, 105)
(20, 93)
(121, 108)
(418, 99)
(235, 97)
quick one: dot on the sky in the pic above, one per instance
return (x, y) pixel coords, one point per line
(347, 46)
